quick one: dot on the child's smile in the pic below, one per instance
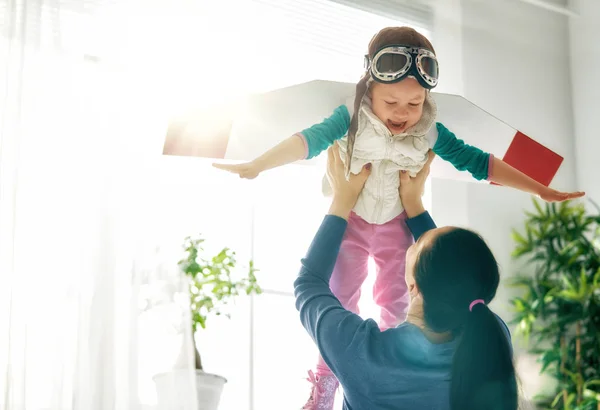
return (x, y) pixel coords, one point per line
(396, 127)
(400, 105)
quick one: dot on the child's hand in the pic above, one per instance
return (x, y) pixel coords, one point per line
(552, 195)
(248, 170)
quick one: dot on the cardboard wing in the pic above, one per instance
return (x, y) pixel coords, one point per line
(244, 130)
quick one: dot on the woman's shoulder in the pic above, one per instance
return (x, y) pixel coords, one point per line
(406, 347)
(506, 330)
(503, 324)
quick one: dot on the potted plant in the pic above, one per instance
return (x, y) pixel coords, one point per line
(211, 289)
(559, 311)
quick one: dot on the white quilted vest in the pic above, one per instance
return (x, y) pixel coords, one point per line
(379, 201)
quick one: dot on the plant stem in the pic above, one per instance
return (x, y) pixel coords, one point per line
(578, 360)
(562, 354)
(197, 359)
(562, 367)
(598, 208)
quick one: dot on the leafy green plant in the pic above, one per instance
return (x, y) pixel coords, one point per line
(212, 286)
(559, 310)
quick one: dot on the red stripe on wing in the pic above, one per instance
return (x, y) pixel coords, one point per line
(532, 158)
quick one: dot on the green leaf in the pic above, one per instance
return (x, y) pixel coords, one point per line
(520, 239)
(591, 394)
(520, 305)
(596, 280)
(561, 243)
(212, 284)
(556, 399)
(583, 283)
(538, 208)
(594, 382)
(570, 400)
(548, 358)
(569, 295)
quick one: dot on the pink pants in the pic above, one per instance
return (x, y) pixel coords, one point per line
(387, 244)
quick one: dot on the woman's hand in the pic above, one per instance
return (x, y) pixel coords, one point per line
(411, 189)
(345, 192)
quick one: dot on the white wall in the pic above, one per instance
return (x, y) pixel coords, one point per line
(585, 70)
(514, 65)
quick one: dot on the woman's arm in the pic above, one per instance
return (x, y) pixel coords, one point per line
(420, 224)
(411, 193)
(338, 333)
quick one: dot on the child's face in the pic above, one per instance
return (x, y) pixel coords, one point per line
(400, 105)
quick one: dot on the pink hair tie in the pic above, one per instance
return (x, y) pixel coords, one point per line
(476, 302)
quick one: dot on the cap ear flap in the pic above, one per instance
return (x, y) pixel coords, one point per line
(361, 89)
(349, 151)
(429, 106)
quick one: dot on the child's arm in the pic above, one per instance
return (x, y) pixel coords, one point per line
(504, 174)
(304, 145)
(482, 165)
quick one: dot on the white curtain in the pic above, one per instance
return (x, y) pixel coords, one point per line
(77, 284)
(92, 217)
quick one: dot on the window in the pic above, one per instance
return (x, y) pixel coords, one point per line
(263, 350)
(163, 57)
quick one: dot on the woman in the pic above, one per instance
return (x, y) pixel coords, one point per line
(452, 352)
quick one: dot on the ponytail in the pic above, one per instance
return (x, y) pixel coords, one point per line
(483, 374)
(455, 273)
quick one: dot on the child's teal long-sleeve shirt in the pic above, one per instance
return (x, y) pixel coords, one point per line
(447, 146)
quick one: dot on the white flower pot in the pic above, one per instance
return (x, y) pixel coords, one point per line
(176, 389)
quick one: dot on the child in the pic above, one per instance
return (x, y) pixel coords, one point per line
(390, 127)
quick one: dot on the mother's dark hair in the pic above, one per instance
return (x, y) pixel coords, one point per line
(455, 269)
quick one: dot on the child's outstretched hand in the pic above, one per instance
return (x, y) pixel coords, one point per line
(552, 195)
(247, 170)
